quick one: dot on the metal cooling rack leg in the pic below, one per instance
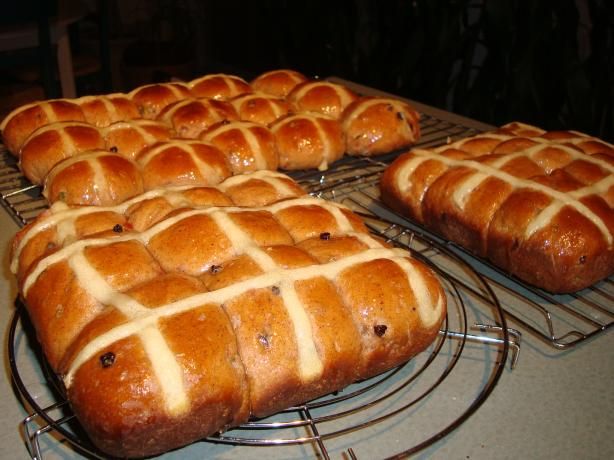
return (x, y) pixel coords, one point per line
(32, 437)
(514, 339)
(307, 416)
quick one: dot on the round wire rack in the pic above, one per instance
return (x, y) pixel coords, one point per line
(398, 413)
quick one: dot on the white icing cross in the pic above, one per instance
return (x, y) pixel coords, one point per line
(143, 321)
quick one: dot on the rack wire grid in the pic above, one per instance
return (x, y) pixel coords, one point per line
(466, 361)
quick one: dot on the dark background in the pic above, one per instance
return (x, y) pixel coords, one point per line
(550, 63)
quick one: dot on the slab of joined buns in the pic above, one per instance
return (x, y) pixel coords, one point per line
(537, 204)
(185, 311)
(281, 119)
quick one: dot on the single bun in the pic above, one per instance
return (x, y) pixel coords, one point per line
(248, 146)
(181, 163)
(18, 125)
(308, 140)
(151, 99)
(101, 111)
(128, 138)
(219, 86)
(207, 316)
(190, 117)
(373, 126)
(278, 83)
(321, 97)
(537, 205)
(259, 107)
(50, 144)
(94, 178)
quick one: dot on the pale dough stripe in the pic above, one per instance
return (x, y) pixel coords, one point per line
(472, 182)
(60, 128)
(106, 101)
(218, 297)
(163, 361)
(309, 362)
(343, 95)
(326, 150)
(168, 115)
(541, 143)
(277, 111)
(252, 142)
(364, 106)
(59, 211)
(428, 311)
(138, 127)
(203, 168)
(145, 236)
(513, 181)
(89, 158)
(45, 107)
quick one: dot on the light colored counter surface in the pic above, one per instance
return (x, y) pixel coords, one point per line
(554, 404)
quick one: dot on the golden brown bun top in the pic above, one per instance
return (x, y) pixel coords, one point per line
(376, 125)
(321, 96)
(278, 83)
(219, 86)
(260, 107)
(189, 117)
(103, 110)
(151, 99)
(18, 125)
(248, 146)
(96, 177)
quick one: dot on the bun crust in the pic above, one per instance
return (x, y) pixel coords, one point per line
(535, 203)
(182, 320)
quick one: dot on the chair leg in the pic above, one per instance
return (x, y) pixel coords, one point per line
(45, 57)
(65, 64)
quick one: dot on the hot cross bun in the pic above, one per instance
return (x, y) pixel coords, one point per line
(537, 204)
(169, 329)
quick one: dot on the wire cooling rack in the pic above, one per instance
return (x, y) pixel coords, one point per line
(436, 391)
(393, 415)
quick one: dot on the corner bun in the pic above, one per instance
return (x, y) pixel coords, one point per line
(18, 125)
(52, 143)
(373, 126)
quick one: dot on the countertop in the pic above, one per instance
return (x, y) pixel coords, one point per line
(553, 404)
